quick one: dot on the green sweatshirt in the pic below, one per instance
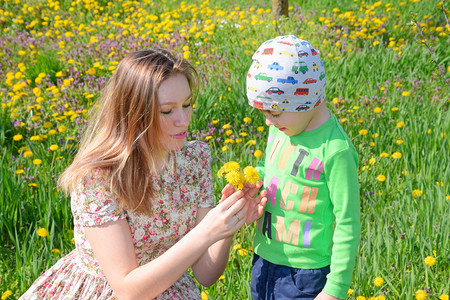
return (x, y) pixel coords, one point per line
(312, 216)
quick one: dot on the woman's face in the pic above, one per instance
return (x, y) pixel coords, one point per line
(175, 110)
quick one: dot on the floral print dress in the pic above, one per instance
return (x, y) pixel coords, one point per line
(180, 194)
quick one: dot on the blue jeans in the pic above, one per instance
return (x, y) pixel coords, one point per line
(274, 282)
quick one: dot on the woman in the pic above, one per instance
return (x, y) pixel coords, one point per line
(142, 198)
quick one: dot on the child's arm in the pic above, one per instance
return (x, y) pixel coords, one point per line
(342, 181)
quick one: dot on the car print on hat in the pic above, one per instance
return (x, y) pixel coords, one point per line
(287, 74)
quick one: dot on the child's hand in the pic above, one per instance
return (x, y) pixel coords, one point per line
(254, 205)
(325, 296)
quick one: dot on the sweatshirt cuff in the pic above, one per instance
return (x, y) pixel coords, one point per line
(335, 289)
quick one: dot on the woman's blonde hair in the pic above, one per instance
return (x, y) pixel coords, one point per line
(122, 137)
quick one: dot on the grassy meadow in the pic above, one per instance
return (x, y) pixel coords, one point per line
(388, 70)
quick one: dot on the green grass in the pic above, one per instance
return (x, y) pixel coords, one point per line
(377, 77)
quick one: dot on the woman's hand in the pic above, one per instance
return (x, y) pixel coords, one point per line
(254, 205)
(226, 218)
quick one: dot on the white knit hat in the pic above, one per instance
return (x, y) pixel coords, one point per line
(286, 75)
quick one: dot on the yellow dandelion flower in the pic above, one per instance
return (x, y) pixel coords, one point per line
(17, 137)
(260, 128)
(396, 155)
(384, 154)
(421, 295)
(27, 154)
(443, 296)
(229, 132)
(242, 252)
(228, 167)
(37, 92)
(417, 193)
(232, 166)
(204, 295)
(6, 294)
(350, 292)
(56, 251)
(42, 232)
(399, 142)
(237, 246)
(236, 178)
(381, 178)
(378, 281)
(360, 298)
(363, 132)
(226, 126)
(258, 153)
(400, 124)
(222, 277)
(37, 161)
(54, 147)
(430, 261)
(247, 120)
(62, 128)
(251, 142)
(377, 110)
(251, 174)
(406, 93)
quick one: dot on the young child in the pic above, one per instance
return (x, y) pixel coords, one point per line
(307, 239)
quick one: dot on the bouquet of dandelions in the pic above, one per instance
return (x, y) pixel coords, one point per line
(232, 172)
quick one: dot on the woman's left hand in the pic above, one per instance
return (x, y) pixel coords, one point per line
(254, 205)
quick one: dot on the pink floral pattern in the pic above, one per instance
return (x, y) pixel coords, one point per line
(180, 193)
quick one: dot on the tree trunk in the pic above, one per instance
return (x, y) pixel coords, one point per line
(280, 8)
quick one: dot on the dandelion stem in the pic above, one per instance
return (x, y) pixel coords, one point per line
(441, 73)
(445, 14)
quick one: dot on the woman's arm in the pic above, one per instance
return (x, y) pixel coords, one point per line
(112, 245)
(212, 263)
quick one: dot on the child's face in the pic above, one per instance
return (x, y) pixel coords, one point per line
(291, 123)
